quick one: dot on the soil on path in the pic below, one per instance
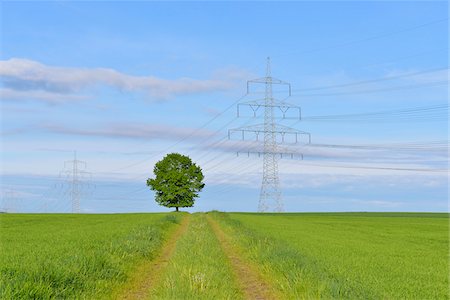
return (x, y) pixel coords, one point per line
(247, 275)
(147, 275)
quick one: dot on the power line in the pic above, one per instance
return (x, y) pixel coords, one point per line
(206, 153)
(426, 146)
(374, 37)
(428, 112)
(334, 86)
(404, 57)
(371, 91)
(215, 146)
(377, 168)
(181, 140)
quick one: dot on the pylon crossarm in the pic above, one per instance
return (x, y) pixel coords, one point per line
(262, 132)
(277, 129)
(283, 106)
(279, 154)
(268, 80)
(271, 80)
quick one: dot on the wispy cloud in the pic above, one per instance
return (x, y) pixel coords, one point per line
(363, 181)
(425, 156)
(39, 95)
(28, 79)
(14, 131)
(130, 130)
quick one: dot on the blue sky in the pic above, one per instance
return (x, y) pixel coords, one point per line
(124, 83)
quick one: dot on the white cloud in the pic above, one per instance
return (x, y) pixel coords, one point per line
(41, 95)
(352, 181)
(131, 130)
(27, 78)
(371, 156)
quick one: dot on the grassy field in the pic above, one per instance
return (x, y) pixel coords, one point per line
(293, 256)
(74, 256)
(348, 255)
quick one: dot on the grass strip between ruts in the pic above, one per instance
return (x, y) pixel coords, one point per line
(198, 268)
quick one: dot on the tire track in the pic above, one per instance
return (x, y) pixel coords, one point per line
(148, 274)
(248, 278)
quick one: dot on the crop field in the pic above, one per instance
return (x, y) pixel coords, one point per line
(73, 256)
(349, 255)
(225, 256)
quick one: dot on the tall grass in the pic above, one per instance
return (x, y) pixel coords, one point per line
(371, 256)
(74, 256)
(198, 268)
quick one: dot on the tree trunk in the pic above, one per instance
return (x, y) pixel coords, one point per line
(176, 208)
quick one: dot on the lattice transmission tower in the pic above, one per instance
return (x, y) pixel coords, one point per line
(9, 201)
(274, 135)
(76, 181)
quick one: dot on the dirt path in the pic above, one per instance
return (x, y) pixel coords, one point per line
(147, 275)
(249, 280)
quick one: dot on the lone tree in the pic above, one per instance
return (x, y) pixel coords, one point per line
(178, 181)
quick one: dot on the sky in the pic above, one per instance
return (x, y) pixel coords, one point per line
(122, 84)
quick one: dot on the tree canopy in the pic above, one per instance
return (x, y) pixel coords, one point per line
(177, 181)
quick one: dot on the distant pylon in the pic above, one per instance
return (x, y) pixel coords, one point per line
(9, 201)
(270, 187)
(75, 185)
(75, 176)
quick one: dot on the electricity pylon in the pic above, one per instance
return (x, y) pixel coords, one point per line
(75, 180)
(9, 201)
(273, 135)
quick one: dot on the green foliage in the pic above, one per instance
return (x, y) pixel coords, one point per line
(178, 181)
(198, 269)
(347, 255)
(75, 256)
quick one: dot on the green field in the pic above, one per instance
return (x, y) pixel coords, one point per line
(72, 256)
(215, 256)
(350, 255)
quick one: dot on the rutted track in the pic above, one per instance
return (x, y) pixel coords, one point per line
(148, 275)
(249, 280)
(151, 279)
(199, 268)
